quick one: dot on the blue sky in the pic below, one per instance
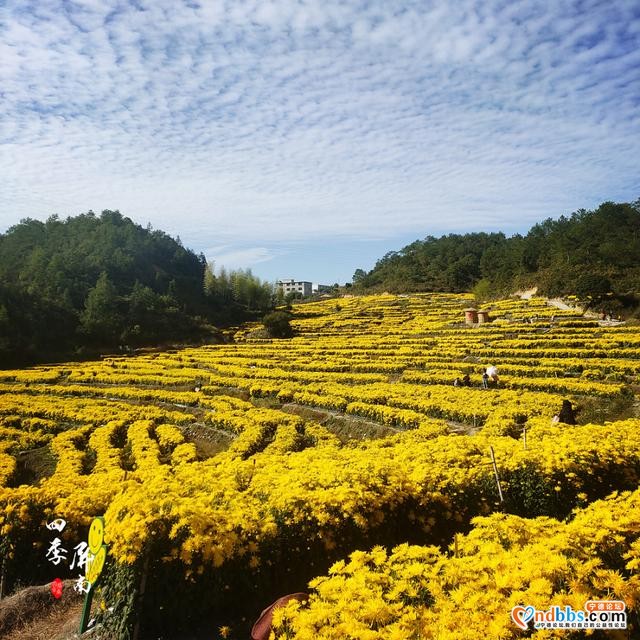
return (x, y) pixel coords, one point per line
(307, 139)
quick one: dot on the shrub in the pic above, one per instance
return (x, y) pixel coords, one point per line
(277, 323)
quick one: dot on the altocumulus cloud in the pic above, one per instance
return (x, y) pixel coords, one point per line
(230, 258)
(244, 123)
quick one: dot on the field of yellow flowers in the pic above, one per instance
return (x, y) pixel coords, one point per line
(425, 542)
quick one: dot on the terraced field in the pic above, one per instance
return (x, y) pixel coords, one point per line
(232, 474)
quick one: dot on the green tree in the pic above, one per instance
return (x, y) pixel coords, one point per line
(209, 283)
(592, 288)
(5, 330)
(100, 319)
(359, 277)
(277, 324)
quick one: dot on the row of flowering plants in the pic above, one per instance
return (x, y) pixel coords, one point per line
(272, 487)
(284, 495)
(468, 591)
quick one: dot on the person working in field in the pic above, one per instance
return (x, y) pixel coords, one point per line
(567, 413)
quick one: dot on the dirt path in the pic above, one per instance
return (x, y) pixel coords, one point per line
(462, 429)
(349, 427)
(527, 294)
(346, 427)
(558, 303)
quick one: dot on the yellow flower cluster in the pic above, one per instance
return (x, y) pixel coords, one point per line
(62, 411)
(121, 432)
(7, 462)
(468, 593)
(276, 477)
(168, 436)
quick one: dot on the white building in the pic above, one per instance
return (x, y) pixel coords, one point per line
(295, 286)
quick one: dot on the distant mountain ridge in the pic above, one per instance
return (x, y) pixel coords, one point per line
(102, 281)
(591, 254)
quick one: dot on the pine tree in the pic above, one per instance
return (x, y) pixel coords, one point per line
(100, 319)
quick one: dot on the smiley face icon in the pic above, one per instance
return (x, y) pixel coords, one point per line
(95, 565)
(96, 535)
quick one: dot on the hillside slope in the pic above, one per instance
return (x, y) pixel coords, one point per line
(590, 253)
(225, 501)
(101, 281)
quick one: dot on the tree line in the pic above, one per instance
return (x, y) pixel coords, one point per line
(94, 282)
(594, 255)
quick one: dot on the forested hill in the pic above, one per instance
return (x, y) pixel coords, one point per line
(101, 281)
(590, 253)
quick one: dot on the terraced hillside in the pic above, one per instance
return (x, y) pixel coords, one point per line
(232, 474)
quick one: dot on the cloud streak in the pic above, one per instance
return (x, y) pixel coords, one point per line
(230, 258)
(245, 123)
